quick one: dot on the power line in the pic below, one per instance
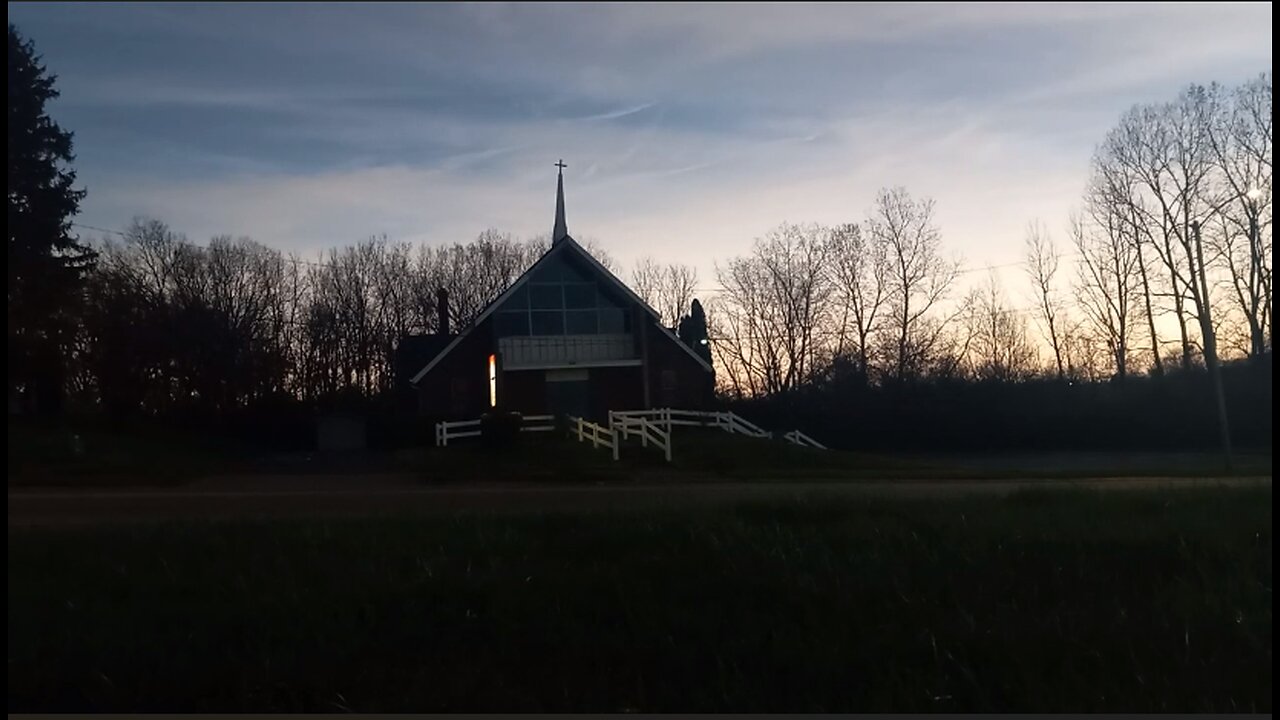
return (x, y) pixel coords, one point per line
(91, 227)
(197, 246)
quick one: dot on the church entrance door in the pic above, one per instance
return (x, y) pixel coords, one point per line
(569, 392)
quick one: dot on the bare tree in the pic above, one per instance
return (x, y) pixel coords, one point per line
(748, 331)
(997, 345)
(1239, 135)
(602, 256)
(918, 279)
(772, 308)
(1113, 186)
(860, 277)
(1106, 287)
(1139, 154)
(678, 289)
(1042, 268)
(669, 288)
(646, 280)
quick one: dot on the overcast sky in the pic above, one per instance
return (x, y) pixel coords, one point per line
(689, 130)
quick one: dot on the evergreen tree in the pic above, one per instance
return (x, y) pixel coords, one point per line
(693, 331)
(46, 262)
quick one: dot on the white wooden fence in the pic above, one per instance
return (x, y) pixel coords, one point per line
(730, 422)
(597, 435)
(651, 426)
(799, 438)
(647, 430)
(458, 429)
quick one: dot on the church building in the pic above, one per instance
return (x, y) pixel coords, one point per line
(568, 338)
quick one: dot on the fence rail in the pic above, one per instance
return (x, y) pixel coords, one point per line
(651, 426)
(459, 429)
(597, 435)
(647, 430)
(799, 438)
(730, 422)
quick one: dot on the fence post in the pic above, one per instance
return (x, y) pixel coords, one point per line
(644, 432)
(613, 433)
(668, 449)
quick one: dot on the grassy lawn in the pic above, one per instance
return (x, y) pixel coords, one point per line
(1042, 601)
(1105, 464)
(105, 456)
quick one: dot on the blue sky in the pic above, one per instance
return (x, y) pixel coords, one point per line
(689, 130)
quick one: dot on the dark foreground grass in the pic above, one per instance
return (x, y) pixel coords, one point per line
(1042, 601)
(98, 456)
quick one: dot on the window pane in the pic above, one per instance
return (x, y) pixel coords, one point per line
(580, 295)
(580, 322)
(553, 270)
(548, 323)
(507, 324)
(612, 320)
(518, 300)
(604, 300)
(546, 297)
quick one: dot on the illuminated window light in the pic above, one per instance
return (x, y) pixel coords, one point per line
(493, 381)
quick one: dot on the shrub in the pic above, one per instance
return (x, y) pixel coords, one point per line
(500, 428)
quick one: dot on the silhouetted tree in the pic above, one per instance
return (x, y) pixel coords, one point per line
(997, 337)
(1042, 267)
(693, 331)
(859, 270)
(46, 262)
(667, 288)
(773, 309)
(1106, 287)
(1240, 139)
(919, 279)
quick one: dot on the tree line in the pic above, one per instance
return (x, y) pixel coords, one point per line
(1166, 272)
(1172, 265)
(171, 325)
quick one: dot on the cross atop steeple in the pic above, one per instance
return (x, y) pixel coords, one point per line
(561, 230)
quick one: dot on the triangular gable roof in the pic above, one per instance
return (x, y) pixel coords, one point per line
(566, 242)
(676, 339)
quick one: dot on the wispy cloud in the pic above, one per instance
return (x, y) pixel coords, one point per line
(615, 114)
(689, 130)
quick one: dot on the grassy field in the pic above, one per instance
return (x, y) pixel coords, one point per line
(1042, 601)
(104, 456)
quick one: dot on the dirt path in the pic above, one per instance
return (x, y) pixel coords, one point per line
(346, 496)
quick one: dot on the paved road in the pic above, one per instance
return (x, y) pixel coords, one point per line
(259, 497)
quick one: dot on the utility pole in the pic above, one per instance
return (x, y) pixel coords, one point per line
(1256, 341)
